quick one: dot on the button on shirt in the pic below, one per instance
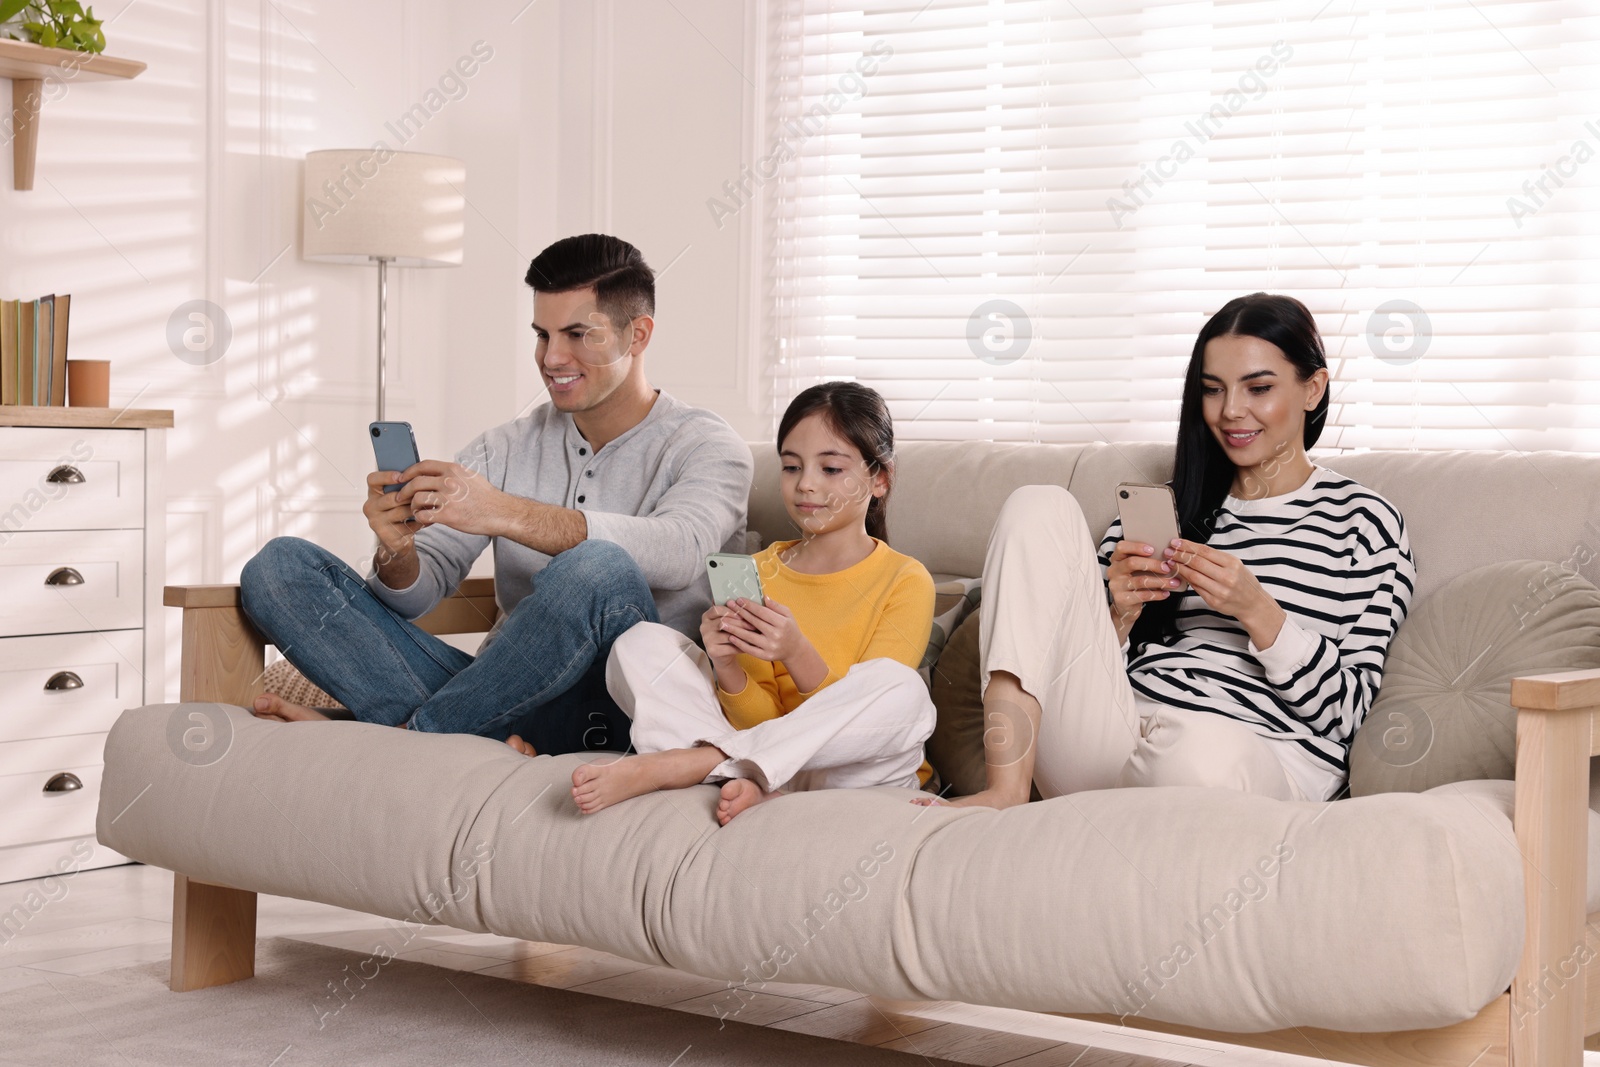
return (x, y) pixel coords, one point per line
(670, 491)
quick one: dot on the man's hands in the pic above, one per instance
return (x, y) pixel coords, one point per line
(392, 521)
(765, 631)
(436, 491)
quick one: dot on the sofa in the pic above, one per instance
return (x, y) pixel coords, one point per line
(1446, 914)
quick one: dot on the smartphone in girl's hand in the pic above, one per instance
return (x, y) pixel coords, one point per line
(732, 577)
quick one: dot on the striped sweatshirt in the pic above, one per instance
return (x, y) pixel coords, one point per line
(1335, 557)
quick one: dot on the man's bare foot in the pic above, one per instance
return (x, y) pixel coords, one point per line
(520, 745)
(599, 785)
(739, 795)
(272, 706)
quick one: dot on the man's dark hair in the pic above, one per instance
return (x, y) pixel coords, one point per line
(624, 285)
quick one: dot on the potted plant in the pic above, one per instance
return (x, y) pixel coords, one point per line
(53, 24)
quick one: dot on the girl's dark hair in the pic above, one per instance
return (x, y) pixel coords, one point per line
(1202, 472)
(860, 416)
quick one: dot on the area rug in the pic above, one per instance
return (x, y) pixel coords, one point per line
(409, 1013)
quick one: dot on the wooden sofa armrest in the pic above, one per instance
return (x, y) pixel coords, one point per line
(1555, 997)
(223, 655)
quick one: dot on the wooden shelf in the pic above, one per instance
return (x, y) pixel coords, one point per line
(85, 418)
(29, 66)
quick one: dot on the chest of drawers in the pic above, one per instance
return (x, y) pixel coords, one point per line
(82, 560)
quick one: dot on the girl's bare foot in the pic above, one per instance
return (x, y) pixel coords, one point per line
(599, 785)
(272, 706)
(739, 795)
(520, 745)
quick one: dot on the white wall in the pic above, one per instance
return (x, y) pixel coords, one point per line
(619, 115)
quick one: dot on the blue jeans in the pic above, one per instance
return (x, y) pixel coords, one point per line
(543, 676)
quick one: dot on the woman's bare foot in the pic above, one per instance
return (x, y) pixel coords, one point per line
(739, 795)
(600, 785)
(272, 706)
(988, 798)
(520, 745)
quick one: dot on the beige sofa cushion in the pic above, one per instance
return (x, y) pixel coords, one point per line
(1254, 914)
(1544, 503)
(1503, 795)
(1443, 711)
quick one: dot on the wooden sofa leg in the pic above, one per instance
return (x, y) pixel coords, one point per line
(213, 934)
(1552, 809)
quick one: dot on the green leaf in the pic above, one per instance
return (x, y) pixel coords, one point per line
(47, 36)
(66, 7)
(10, 9)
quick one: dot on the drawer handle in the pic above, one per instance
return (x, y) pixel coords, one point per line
(64, 576)
(63, 680)
(66, 474)
(65, 782)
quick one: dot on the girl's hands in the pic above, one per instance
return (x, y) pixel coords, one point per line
(766, 631)
(721, 650)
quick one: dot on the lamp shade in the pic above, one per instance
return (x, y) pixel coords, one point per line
(367, 203)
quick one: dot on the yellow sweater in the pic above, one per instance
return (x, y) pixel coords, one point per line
(880, 608)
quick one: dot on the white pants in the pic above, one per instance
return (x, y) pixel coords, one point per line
(1044, 619)
(866, 729)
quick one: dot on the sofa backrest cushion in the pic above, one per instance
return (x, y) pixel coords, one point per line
(1443, 712)
(1463, 509)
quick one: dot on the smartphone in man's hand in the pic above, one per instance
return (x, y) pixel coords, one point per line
(395, 447)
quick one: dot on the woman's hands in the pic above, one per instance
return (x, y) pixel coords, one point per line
(1226, 585)
(766, 631)
(1137, 576)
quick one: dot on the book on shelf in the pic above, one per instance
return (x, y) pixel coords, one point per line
(33, 350)
(8, 351)
(58, 356)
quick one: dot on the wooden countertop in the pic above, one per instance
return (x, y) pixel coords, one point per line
(85, 418)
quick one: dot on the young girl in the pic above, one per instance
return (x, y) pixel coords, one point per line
(815, 687)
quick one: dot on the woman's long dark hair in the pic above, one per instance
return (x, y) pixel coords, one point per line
(860, 416)
(1202, 472)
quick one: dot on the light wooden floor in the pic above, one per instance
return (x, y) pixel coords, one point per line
(121, 916)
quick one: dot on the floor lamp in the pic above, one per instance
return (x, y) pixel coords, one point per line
(374, 205)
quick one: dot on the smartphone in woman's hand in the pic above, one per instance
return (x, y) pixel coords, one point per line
(1149, 515)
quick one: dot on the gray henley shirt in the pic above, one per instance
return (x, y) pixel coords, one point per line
(670, 491)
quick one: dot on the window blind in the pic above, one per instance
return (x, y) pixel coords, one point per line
(1013, 217)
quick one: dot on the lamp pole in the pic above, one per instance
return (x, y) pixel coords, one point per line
(383, 322)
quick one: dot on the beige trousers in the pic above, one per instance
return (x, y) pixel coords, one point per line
(865, 729)
(1044, 619)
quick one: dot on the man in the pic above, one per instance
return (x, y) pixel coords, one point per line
(601, 507)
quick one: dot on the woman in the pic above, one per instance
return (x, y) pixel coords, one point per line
(815, 686)
(1251, 647)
